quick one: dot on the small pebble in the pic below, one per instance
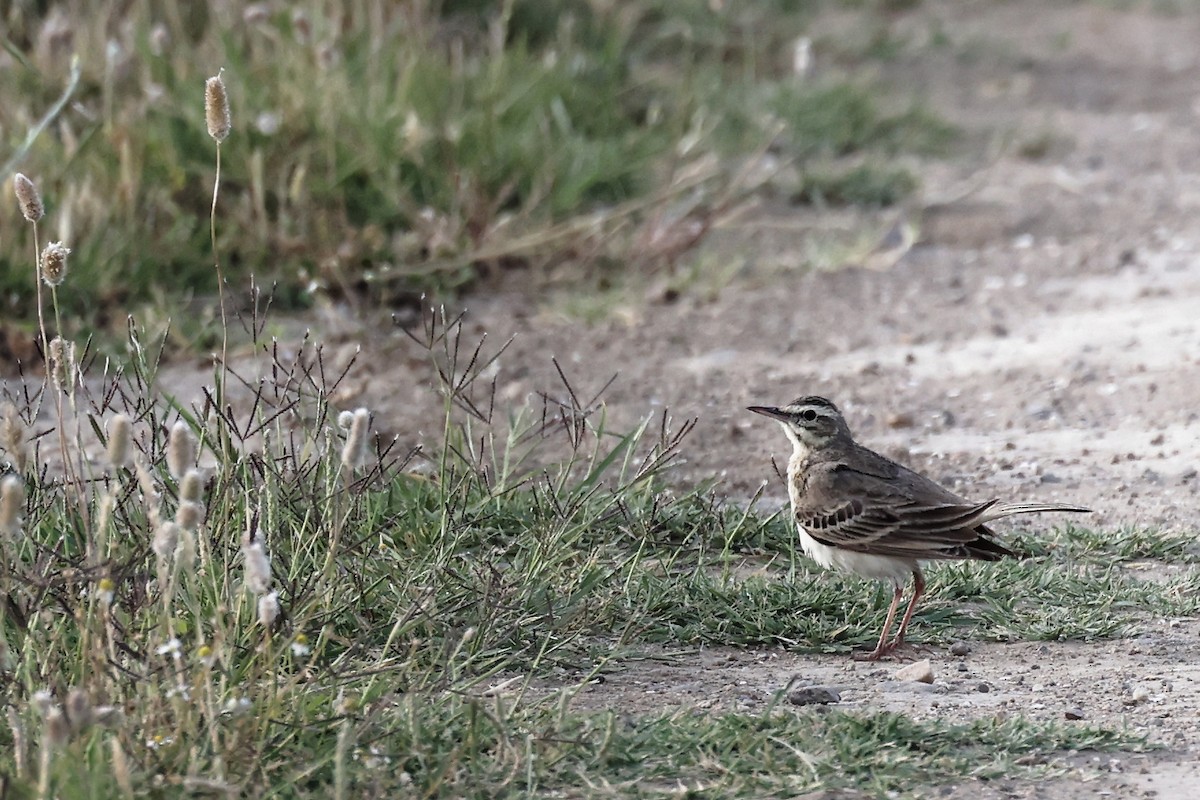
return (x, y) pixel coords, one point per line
(1074, 713)
(920, 672)
(960, 649)
(984, 687)
(1140, 694)
(814, 696)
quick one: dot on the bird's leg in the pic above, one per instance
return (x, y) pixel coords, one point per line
(918, 590)
(883, 648)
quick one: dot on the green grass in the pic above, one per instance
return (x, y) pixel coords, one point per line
(528, 552)
(406, 150)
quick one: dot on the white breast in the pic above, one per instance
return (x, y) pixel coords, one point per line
(883, 568)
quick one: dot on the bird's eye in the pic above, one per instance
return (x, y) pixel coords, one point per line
(808, 415)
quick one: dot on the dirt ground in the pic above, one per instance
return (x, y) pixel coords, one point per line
(1039, 342)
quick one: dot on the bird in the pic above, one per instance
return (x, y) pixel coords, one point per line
(858, 511)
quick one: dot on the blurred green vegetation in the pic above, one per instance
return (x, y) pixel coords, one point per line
(403, 148)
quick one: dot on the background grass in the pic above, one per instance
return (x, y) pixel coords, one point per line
(395, 149)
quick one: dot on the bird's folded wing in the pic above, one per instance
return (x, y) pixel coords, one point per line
(878, 519)
(887, 531)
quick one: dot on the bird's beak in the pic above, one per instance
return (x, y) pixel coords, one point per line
(769, 411)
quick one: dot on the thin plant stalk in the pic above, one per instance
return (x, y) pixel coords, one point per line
(218, 120)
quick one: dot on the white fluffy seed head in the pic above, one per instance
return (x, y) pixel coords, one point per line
(354, 453)
(185, 553)
(120, 431)
(12, 505)
(268, 609)
(258, 568)
(181, 450)
(43, 701)
(189, 515)
(166, 537)
(192, 486)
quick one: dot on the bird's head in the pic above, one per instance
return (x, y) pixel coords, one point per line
(809, 422)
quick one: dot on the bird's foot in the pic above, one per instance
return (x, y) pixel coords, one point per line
(893, 651)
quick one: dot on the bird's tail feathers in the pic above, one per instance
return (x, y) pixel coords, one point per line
(1009, 509)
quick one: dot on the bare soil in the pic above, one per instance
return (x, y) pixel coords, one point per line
(1040, 341)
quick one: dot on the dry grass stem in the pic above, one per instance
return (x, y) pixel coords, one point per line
(19, 742)
(121, 770)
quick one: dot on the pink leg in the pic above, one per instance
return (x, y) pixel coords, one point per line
(883, 648)
(918, 590)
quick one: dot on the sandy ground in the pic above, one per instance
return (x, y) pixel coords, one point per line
(1039, 342)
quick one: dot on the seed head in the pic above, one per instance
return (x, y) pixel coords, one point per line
(181, 450)
(54, 263)
(191, 487)
(28, 197)
(13, 436)
(216, 108)
(185, 554)
(354, 454)
(121, 770)
(79, 710)
(268, 609)
(12, 505)
(119, 432)
(58, 729)
(258, 568)
(166, 537)
(189, 515)
(62, 363)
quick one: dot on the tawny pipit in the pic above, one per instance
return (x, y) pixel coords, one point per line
(860, 512)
